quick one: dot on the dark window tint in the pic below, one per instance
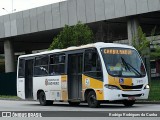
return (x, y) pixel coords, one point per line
(41, 66)
(92, 65)
(57, 64)
(41, 60)
(21, 69)
(40, 70)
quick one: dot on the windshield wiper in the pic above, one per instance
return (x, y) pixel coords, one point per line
(128, 65)
(135, 70)
(125, 63)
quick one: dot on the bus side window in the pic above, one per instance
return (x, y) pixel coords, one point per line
(57, 64)
(41, 66)
(21, 68)
(92, 65)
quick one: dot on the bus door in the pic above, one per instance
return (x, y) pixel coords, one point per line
(29, 78)
(75, 76)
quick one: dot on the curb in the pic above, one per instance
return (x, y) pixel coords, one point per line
(12, 99)
(137, 102)
(147, 102)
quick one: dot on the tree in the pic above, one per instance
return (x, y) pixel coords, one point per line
(142, 44)
(79, 34)
(155, 51)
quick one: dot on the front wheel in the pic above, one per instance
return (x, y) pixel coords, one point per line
(129, 103)
(43, 101)
(92, 101)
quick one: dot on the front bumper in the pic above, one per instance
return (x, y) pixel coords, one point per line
(112, 95)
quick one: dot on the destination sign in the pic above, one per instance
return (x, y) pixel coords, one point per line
(115, 51)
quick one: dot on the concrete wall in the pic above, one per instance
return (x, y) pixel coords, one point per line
(70, 12)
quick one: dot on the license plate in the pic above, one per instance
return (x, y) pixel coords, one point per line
(131, 98)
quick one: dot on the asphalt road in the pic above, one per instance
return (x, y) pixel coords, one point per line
(8, 105)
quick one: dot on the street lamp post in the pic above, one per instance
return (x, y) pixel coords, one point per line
(11, 10)
(12, 5)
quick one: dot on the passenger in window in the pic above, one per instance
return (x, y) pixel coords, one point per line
(120, 65)
(52, 73)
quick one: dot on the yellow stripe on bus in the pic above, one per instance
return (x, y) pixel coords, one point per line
(64, 89)
(91, 83)
(115, 81)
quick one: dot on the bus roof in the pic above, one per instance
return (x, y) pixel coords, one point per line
(96, 45)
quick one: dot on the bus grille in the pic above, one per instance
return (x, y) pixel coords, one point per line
(136, 95)
(132, 87)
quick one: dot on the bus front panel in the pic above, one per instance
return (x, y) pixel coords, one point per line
(125, 76)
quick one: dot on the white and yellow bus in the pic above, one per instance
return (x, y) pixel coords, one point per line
(93, 73)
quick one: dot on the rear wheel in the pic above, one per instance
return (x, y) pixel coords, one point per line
(92, 101)
(73, 103)
(129, 103)
(43, 101)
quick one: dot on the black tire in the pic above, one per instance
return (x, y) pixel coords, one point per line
(129, 103)
(73, 103)
(92, 101)
(43, 101)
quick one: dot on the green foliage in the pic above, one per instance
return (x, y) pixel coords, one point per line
(156, 53)
(154, 90)
(79, 34)
(9, 97)
(141, 43)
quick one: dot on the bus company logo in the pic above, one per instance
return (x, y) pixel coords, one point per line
(52, 82)
(121, 81)
(46, 82)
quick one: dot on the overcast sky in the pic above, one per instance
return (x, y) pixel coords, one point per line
(19, 5)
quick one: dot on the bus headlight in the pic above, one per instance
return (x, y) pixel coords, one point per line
(146, 87)
(111, 87)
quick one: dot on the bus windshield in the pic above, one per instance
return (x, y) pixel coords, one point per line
(123, 62)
